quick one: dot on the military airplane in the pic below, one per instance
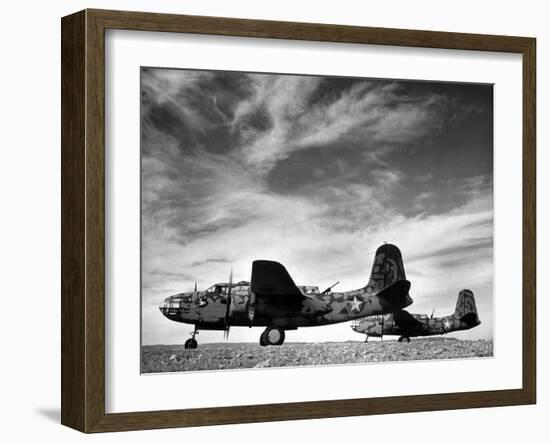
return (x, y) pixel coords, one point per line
(272, 300)
(407, 325)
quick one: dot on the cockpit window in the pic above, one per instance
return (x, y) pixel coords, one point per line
(175, 302)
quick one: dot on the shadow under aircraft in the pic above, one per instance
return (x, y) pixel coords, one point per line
(407, 325)
(272, 300)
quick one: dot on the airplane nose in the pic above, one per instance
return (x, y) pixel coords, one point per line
(163, 305)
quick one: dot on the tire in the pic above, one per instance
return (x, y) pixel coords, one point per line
(404, 339)
(263, 341)
(190, 344)
(274, 336)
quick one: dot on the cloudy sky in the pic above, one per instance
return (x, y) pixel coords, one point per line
(315, 172)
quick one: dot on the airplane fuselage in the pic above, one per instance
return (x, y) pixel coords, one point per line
(378, 326)
(207, 309)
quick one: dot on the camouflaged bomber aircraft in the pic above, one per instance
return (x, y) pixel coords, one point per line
(407, 325)
(272, 300)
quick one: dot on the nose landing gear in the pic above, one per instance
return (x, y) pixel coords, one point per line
(272, 336)
(192, 343)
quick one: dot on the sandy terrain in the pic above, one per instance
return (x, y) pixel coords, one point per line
(169, 358)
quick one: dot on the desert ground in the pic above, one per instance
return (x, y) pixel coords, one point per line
(217, 356)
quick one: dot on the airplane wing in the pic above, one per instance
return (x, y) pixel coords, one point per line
(396, 295)
(403, 319)
(271, 279)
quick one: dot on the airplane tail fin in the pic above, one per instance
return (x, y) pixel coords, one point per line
(466, 309)
(387, 268)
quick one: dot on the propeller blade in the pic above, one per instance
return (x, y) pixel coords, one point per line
(228, 307)
(195, 294)
(226, 333)
(251, 307)
(229, 299)
(432, 315)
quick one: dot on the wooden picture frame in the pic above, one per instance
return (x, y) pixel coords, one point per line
(83, 220)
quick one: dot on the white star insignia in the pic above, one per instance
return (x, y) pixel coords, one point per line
(447, 324)
(356, 304)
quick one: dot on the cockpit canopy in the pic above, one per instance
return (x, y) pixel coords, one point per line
(223, 287)
(378, 318)
(179, 301)
(309, 289)
(176, 301)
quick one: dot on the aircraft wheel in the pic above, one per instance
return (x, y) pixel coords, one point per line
(190, 344)
(263, 341)
(404, 339)
(274, 335)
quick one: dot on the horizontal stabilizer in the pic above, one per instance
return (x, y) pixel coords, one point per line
(396, 296)
(271, 278)
(471, 319)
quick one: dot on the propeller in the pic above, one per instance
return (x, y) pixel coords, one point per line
(251, 307)
(195, 294)
(228, 308)
(432, 315)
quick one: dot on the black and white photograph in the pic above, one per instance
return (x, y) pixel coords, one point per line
(302, 220)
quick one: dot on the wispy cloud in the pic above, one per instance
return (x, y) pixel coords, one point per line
(369, 111)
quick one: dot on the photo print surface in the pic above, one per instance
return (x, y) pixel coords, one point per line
(294, 220)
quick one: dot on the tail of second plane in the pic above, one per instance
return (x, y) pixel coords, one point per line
(466, 309)
(388, 280)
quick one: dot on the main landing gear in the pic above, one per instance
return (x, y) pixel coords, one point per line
(192, 343)
(272, 336)
(404, 339)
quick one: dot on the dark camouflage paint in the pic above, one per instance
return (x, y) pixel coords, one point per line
(405, 324)
(207, 309)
